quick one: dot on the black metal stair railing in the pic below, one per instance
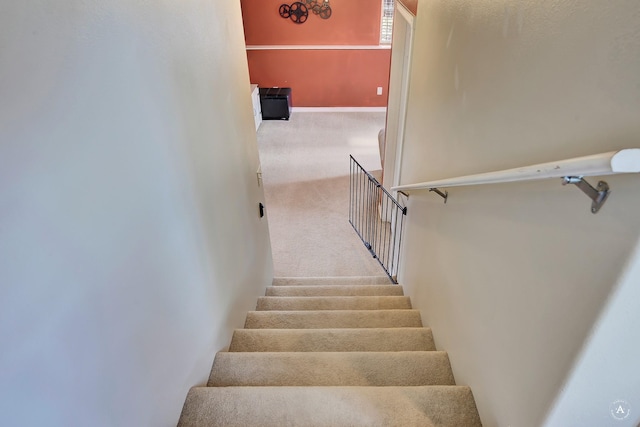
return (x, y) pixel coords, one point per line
(377, 217)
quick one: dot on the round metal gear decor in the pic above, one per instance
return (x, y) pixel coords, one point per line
(285, 10)
(298, 12)
(325, 11)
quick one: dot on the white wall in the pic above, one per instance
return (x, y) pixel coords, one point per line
(607, 370)
(130, 243)
(513, 277)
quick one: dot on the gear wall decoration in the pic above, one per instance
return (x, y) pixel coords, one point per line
(285, 11)
(325, 11)
(298, 11)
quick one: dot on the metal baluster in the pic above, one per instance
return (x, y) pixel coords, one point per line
(376, 217)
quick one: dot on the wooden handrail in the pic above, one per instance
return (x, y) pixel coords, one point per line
(613, 162)
(572, 171)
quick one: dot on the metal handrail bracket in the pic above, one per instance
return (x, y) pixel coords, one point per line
(598, 196)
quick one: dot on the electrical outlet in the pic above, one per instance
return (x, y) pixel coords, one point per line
(379, 90)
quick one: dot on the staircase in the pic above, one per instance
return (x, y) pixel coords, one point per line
(331, 352)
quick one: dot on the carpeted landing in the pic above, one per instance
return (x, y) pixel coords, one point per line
(331, 352)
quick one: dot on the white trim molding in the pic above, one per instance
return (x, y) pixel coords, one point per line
(339, 109)
(407, 15)
(317, 47)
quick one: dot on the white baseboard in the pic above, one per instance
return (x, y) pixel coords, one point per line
(319, 47)
(339, 109)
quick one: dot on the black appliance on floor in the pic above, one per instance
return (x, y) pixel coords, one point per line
(275, 103)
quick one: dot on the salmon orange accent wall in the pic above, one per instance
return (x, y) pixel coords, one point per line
(353, 22)
(324, 78)
(319, 78)
(411, 5)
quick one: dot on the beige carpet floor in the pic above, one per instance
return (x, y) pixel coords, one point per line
(321, 355)
(305, 170)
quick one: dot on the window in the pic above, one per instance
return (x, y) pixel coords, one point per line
(386, 26)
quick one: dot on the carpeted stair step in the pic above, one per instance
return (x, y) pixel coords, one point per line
(324, 281)
(429, 406)
(333, 290)
(326, 319)
(333, 303)
(362, 339)
(405, 368)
